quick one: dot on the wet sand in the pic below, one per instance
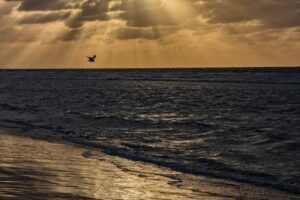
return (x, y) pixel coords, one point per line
(38, 169)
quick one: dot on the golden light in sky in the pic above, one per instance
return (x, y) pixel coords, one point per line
(149, 33)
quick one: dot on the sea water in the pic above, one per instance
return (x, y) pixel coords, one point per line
(238, 124)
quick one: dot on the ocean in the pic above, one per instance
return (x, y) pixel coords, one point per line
(237, 124)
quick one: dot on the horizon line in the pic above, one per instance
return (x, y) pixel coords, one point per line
(145, 68)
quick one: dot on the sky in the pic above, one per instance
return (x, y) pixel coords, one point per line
(149, 33)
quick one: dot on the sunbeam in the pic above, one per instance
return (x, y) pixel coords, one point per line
(152, 33)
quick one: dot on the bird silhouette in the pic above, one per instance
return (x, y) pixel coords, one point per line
(91, 59)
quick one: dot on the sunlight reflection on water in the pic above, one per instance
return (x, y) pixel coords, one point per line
(56, 171)
(35, 169)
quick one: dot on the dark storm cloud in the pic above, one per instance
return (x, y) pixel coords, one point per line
(90, 10)
(272, 13)
(144, 15)
(29, 5)
(44, 5)
(40, 18)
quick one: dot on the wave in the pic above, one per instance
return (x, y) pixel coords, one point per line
(139, 152)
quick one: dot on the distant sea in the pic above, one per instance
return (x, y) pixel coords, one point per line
(240, 124)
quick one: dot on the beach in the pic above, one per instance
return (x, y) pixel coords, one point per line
(40, 169)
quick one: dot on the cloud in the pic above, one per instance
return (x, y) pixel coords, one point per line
(271, 13)
(125, 33)
(44, 5)
(6, 7)
(155, 19)
(40, 18)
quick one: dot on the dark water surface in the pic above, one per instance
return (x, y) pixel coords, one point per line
(41, 170)
(238, 124)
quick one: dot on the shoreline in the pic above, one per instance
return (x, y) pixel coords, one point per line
(49, 135)
(26, 163)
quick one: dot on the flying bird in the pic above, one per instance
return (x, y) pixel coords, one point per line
(91, 59)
